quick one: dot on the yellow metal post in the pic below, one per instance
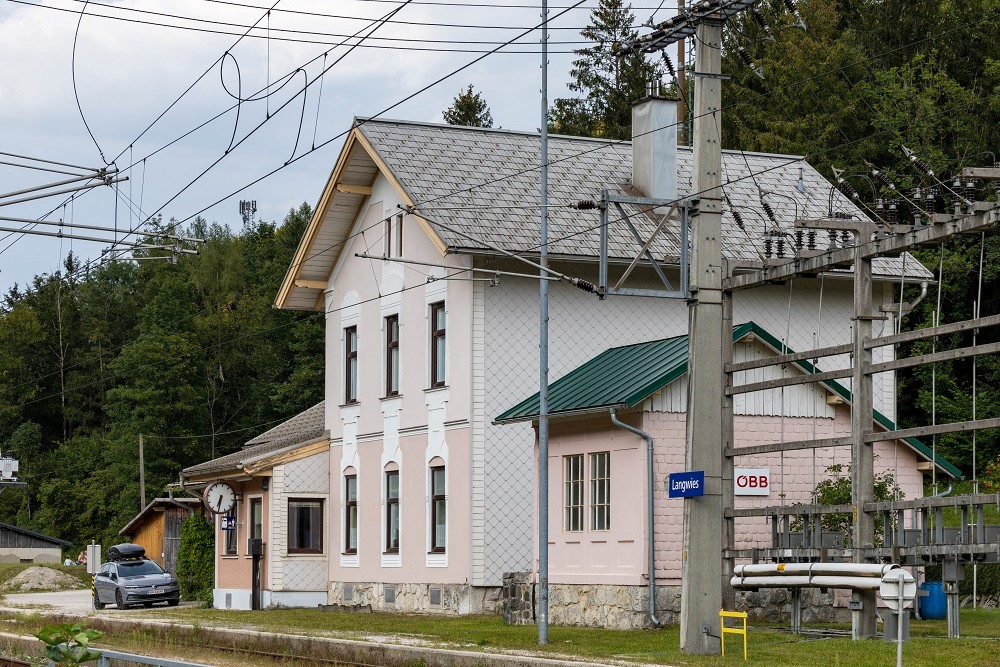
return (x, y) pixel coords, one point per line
(723, 615)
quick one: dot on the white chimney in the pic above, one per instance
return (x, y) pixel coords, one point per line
(654, 145)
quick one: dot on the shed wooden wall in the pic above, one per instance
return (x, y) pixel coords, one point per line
(10, 539)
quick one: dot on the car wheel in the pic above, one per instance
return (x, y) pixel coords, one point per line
(173, 603)
(118, 599)
(98, 605)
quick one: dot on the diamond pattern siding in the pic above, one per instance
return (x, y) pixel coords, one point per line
(309, 475)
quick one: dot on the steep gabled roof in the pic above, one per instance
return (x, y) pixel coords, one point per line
(191, 504)
(303, 429)
(623, 377)
(480, 181)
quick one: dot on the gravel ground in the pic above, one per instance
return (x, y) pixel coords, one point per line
(77, 602)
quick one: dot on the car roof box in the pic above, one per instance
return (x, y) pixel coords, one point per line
(126, 552)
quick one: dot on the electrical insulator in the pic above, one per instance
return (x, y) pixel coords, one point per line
(739, 220)
(585, 205)
(585, 285)
(845, 238)
(669, 65)
(768, 247)
(848, 189)
(916, 162)
(748, 61)
(970, 192)
(790, 6)
(761, 22)
(769, 211)
(893, 212)
(781, 247)
(883, 179)
(799, 236)
(833, 239)
(811, 239)
(956, 188)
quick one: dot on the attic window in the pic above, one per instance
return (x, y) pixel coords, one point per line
(392, 236)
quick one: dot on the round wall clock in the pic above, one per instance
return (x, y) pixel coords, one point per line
(220, 497)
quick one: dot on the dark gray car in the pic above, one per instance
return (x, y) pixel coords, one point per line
(134, 582)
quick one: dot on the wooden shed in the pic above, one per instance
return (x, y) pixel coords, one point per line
(157, 528)
(19, 545)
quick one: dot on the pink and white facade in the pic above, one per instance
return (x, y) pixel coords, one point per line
(599, 494)
(430, 502)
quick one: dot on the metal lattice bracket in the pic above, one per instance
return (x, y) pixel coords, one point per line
(679, 213)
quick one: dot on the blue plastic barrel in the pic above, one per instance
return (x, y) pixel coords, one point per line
(934, 605)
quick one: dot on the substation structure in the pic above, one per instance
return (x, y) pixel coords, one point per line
(708, 283)
(913, 531)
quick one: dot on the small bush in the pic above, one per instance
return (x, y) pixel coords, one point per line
(196, 559)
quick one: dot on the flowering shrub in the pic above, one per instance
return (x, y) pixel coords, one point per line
(989, 481)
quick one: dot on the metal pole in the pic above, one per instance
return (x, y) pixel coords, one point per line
(543, 350)
(142, 476)
(682, 133)
(862, 452)
(704, 524)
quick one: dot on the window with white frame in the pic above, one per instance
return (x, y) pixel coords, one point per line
(439, 507)
(351, 513)
(600, 491)
(392, 512)
(351, 365)
(392, 237)
(392, 355)
(438, 319)
(573, 493)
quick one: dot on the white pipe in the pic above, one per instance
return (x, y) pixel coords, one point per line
(805, 581)
(649, 510)
(813, 569)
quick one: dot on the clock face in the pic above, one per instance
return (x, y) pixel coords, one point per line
(220, 497)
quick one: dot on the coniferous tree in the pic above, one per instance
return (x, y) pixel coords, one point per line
(469, 109)
(607, 84)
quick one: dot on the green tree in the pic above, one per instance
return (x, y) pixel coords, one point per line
(469, 109)
(607, 84)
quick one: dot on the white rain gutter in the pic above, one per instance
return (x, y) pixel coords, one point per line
(649, 510)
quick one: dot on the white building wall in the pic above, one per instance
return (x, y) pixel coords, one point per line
(305, 478)
(581, 326)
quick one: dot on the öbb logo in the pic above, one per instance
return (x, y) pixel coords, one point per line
(752, 481)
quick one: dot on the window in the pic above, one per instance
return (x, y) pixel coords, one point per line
(399, 235)
(392, 237)
(573, 493)
(351, 514)
(305, 526)
(392, 512)
(439, 508)
(256, 519)
(392, 355)
(600, 491)
(230, 544)
(437, 344)
(351, 365)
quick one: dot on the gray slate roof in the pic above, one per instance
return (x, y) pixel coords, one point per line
(305, 427)
(485, 169)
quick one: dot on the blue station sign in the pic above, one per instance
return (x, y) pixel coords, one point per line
(686, 484)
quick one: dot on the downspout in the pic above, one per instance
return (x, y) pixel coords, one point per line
(649, 510)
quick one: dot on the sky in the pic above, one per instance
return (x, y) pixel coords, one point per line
(140, 91)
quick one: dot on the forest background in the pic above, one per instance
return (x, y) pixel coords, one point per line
(193, 356)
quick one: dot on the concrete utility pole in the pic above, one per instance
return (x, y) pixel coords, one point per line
(704, 529)
(682, 108)
(863, 625)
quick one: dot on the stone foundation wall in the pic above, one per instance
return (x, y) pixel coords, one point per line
(429, 598)
(627, 607)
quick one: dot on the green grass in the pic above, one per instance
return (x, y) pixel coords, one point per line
(929, 647)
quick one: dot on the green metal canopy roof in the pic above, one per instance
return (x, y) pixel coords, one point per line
(623, 377)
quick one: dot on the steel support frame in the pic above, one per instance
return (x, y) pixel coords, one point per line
(608, 199)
